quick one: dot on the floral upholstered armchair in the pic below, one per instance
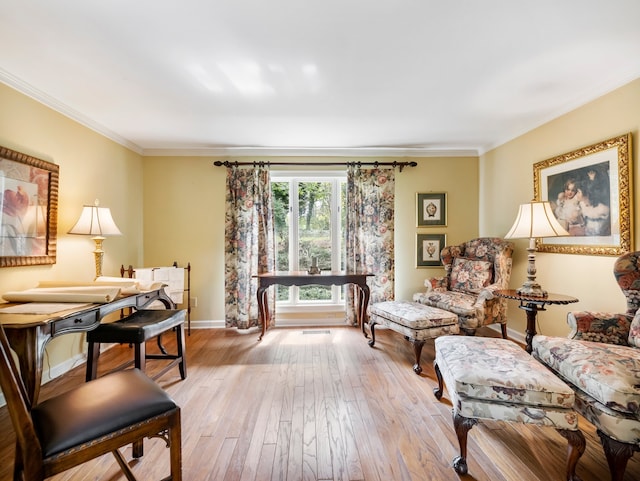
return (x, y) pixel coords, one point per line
(473, 272)
(600, 360)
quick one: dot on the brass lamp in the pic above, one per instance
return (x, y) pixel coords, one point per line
(97, 222)
(535, 219)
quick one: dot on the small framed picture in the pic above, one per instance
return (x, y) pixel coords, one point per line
(431, 209)
(428, 247)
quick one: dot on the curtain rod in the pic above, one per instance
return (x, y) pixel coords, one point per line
(226, 163)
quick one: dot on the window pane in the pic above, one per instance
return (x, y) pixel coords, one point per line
(314, 233)
(281, 215)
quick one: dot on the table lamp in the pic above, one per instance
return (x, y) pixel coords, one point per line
(535, 219)
(97, 222)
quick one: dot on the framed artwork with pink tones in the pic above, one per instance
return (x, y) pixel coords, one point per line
(29, 206)
(590, 190)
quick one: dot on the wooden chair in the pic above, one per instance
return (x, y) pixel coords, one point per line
(93, 419)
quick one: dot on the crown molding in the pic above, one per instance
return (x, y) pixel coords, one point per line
(54, 104)
(312, 152)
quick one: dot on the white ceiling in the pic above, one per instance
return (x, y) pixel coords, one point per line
(333, 76)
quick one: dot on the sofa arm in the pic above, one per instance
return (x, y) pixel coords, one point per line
(436, 284)
(488, 293)
(599, 327)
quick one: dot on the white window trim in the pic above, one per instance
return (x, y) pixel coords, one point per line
(335, 310)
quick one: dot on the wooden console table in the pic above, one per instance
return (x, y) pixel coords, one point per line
(302, 278)
(28, 334)
(532, 305)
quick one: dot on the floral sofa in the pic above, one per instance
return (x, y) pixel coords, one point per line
(473, 272)
(600, 360)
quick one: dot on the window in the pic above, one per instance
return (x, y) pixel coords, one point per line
(309, 223)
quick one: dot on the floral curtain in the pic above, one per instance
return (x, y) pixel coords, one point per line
(369, 231)
(249, 241)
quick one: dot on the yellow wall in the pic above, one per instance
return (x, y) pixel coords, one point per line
(91, 167)
(507, 181)
(182, 199)
(184, 218)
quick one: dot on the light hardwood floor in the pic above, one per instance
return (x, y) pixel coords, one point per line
(320, 404)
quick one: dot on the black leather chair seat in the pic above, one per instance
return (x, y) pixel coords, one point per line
(103, 406)
(139, 327)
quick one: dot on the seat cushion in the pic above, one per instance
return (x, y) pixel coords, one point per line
(498, 370)
(608, 373)
(140, 326)
(97, 408)
(458, 303)
(413, 314)
(469, 275)
(415, 321)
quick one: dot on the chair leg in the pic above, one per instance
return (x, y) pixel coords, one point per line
(141, 356)
(576, 448)
(438, 391)
(93, 353)
(175, 448)
(18, 466)
(141, 363)
(462, 427)
(617, 455)
(503, 328)
(163, 350)
(372, 328)
(123, 465)
(417, 349)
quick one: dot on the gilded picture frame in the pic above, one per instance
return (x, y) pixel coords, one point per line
(29, 207)
(431, 209)
(428, 247)
(590, 190)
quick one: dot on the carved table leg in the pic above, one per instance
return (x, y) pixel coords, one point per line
(263, 309)
(462, 426)
(438, 391)
(575, 449)
(417, 349)
(372, 328)
(617, 454)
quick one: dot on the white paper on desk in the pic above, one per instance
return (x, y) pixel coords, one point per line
(41, 307)
(89, 294)
(172, 277)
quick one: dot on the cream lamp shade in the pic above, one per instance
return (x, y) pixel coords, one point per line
(535, 219)
(97, 222)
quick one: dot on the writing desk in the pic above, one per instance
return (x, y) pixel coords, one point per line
(302, 278)
(28, 334)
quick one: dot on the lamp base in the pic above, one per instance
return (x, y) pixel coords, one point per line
(531, 289)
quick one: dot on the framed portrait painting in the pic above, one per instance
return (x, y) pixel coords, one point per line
(428, 247)
(29, 206)
(590, 192)
(431, 209)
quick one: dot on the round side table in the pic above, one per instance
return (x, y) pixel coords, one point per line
(532, 305)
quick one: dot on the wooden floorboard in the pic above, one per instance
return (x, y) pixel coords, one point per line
(321, 405)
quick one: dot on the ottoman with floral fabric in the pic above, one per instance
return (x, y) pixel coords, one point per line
(490, 378)
(416, 322)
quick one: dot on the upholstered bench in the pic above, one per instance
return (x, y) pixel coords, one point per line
(490, 378)
(416, 322)
(136, 329)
